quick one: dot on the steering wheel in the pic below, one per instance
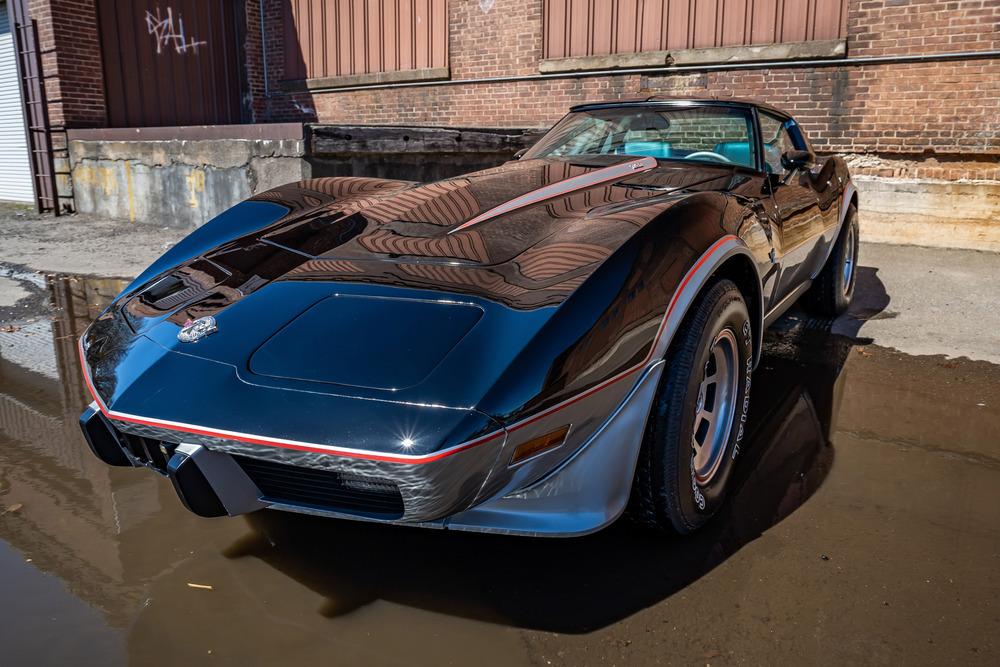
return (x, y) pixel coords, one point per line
(721, 158)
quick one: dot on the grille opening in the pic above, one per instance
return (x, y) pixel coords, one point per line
(324, 489)
(162, 289)
(149, 452)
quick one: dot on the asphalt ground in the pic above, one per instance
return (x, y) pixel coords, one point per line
(863, 526)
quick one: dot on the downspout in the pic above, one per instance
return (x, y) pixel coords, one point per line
(680, 69)
(263, 48)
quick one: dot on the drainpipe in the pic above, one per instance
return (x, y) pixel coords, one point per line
(263, 48)
(679, 69)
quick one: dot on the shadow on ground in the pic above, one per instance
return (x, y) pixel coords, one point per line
(579, 585)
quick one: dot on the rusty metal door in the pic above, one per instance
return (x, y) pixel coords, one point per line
(332, 38)
(173, 62)
(604, 27)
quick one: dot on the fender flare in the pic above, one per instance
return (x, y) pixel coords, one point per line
(692, 285)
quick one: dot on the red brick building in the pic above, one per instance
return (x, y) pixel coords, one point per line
(910, 88)
(938, 107)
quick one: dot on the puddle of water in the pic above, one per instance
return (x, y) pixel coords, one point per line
(864, 526)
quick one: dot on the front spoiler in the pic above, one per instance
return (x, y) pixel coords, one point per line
(585, 493)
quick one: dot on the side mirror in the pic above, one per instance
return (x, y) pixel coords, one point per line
(792, 160)
(519, 154)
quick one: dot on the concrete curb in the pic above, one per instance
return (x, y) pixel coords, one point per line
(931, 213)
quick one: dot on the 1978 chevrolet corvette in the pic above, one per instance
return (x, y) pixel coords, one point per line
(529, 349)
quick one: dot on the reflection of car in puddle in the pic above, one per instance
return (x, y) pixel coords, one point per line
(577, 585)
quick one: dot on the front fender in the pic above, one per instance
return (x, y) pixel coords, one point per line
(261, 212)
(589, 356)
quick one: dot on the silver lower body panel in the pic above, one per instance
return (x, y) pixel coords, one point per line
(577, 495)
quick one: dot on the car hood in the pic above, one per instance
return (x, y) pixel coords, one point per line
(382, 289)
(454, 235)
(483, 219)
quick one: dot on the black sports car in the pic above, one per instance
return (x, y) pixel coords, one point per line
(527, 349)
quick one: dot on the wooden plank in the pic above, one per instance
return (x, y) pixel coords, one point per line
(439, 34)
(764, 22)
(374, 34)
(359, 59)
(420, 33)
(579, 39)
(678, 12)
(626, 39)
(407, 55)
(830, 19)
(600, 26)
(733, 22)
(331, 50)
(705, 21)
(555, 29)
(795, 21)
(651, 36)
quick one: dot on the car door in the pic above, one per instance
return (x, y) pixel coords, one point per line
(799, 219)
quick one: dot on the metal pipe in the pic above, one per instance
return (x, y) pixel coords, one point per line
(826, 62)
(263, 47)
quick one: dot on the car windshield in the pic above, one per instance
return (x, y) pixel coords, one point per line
(705, 134)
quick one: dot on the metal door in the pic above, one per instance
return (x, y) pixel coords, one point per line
(15, 165)
(172, 63)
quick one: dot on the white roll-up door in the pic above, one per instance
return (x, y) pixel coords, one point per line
(15, 169)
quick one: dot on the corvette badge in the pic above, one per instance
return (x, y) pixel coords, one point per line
(195, 330)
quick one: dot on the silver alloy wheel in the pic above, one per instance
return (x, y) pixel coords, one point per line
(715, 407)
(849, 259)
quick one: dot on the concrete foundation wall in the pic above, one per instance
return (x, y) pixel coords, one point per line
(411, 153)
(183, 177)
(182, 181)
(932, 213)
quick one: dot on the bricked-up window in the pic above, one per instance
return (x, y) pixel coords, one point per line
(337, 38)
(707, 134)
(576, 28)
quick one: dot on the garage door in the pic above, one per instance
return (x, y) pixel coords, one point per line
(15, 170)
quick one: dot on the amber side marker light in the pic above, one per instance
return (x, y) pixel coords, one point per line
(542, 443)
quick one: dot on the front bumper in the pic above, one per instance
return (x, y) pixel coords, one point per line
(289, 478)
(574, 495)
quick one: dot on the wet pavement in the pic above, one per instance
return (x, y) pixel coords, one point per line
(864, 527)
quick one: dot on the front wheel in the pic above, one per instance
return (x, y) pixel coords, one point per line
(697, 420)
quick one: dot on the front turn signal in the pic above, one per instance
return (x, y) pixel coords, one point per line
(536, 446)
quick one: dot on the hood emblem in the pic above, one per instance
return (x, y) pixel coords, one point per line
(195, 330)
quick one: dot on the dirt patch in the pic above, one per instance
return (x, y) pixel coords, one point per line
(81, 244)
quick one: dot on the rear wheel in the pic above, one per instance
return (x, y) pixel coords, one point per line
(833, 289)
(697, 420)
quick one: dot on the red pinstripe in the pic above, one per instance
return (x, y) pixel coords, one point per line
(390, 458)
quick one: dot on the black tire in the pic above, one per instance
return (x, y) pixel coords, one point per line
(833, 289)
(665, 492)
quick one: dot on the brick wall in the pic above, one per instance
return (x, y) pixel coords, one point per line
(73, 78)
(261, 104)
(945, 109)
(946, 112)
(933, 120)
(71, 61)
